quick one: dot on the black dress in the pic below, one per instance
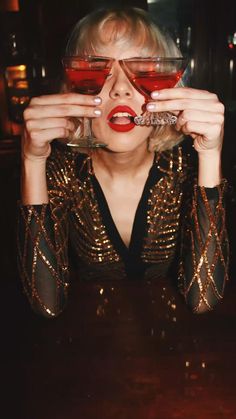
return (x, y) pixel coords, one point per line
(175, 221)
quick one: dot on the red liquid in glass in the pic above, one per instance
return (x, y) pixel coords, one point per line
(147, 82)
(88, 82)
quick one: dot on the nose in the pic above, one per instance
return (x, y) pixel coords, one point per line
(121, 87)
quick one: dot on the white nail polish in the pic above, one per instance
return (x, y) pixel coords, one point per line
(155, 94)
(150, 107)
(97, 112)
(97, 100)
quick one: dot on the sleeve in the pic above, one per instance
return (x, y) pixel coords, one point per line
(204, 249)
(42, 241)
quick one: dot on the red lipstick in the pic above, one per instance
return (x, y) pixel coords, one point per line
(121, 119)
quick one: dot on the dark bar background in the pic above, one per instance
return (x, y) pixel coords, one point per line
(41, 362)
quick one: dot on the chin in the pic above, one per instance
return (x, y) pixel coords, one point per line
(123, 142)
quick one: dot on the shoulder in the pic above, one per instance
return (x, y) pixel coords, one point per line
(64, 156)
(64, 163)
(179, 160)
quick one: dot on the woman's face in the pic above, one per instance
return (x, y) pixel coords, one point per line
(119, 100)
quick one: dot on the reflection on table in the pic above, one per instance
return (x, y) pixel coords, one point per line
(121, 350)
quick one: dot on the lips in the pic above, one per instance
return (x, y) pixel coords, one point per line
(121, 119)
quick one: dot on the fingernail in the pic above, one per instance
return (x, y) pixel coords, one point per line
(151, 107)
(97, 112)
(97, 100)
(155, 94)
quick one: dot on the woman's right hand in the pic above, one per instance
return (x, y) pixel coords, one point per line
(48, 117)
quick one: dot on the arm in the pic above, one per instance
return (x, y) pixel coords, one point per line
(204, 239)
(204, 248)
(43, 211)
(42, 259)
(43, 243)
(205, 264)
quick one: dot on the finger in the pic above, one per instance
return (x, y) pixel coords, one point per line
(45, 111)
(36, 124)
(49, 134)
(184, 104)
(198, 116)
(183, 92)
(209, 131)
(66, 98)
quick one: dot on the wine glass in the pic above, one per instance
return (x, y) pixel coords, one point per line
(154, 73)
(86, 75)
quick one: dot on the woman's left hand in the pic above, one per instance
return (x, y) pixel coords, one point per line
(199, 113)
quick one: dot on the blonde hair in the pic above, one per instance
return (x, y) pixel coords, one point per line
(126, 27)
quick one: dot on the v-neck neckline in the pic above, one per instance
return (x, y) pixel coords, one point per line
(140, 219)
(131, 256)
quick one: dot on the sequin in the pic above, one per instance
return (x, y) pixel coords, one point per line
(74, 212)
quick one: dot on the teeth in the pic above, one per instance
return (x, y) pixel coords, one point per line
(120, 114)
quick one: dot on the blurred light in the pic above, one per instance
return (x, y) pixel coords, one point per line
(234, 38)
(231, 40)
(189, 30)
(9, 5)
(231, 66)
(13, 73)
(43, 71)
(192, 64)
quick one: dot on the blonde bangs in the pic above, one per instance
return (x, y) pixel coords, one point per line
(123, 28)
(125, 33)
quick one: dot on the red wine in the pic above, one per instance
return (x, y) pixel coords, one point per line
(147, 82)
(84, 81)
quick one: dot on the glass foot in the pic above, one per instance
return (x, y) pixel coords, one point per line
(86, 143)
(82, 137)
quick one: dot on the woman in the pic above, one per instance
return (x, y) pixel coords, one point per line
(132, 209)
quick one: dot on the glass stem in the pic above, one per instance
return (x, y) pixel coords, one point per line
(86, 128)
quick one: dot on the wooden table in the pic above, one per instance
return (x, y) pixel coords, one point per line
(119, 351)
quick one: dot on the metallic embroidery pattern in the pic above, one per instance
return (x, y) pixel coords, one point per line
(73, 214)
(207, 252)
(164, 212)
(88, 233)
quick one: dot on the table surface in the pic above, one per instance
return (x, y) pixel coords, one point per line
(119, 350)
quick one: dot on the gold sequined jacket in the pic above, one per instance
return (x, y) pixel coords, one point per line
(175, 222)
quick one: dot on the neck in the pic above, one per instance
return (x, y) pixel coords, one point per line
(127, 164)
